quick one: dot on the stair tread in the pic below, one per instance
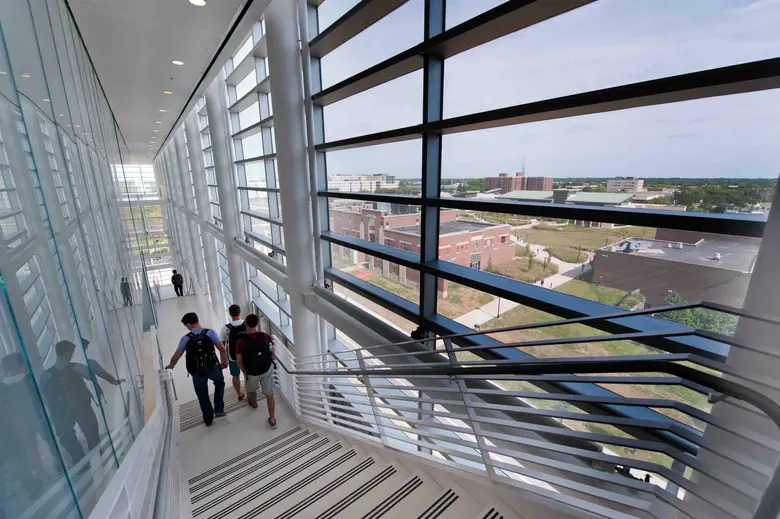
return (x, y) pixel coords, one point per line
(414, 495)
(226, 502)
(358, 489)
(308, 489)
(450, 503)
(496, 512)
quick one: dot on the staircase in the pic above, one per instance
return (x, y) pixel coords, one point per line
(306, 472)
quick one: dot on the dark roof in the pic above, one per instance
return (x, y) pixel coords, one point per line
(450, 227)
(733, 256)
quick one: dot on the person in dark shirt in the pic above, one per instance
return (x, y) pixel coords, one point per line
(126, 294)
(255, 356)
(178, 283)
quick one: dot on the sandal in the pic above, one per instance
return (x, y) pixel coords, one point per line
(272, 424)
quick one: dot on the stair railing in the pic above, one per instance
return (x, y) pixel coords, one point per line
(644, 444)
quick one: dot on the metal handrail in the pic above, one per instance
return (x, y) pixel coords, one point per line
(671, 364)
(681, 331)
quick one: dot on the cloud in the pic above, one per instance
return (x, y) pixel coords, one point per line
(758, 5)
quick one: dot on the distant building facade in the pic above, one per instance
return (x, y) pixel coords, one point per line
(473, 244)
(361, 183)
(504, 183)
(628, 185)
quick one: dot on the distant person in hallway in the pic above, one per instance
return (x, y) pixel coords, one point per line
(202, 364)
(255, 355)
(69, 402)
(178, 283)
(20, 459)
(126, 294)
(229, 335)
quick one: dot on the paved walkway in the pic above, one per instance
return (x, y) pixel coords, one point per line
(499, 306)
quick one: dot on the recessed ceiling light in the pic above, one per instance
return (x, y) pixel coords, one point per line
(177, 62)
(199, 3)
(26, 76)
(161, 110)
(158, 122)
(3, 73)
(168, 92)
(155, 130)
(77, 126)
(62, 115)
(46, 100)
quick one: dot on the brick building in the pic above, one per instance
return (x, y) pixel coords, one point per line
(519, 182)
(474, 244)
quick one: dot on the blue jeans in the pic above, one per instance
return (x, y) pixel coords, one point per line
(201, 385)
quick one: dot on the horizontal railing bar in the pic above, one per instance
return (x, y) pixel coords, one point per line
(404, 398)
(428, 433)
(526, 344)
(441, 448)
(667, 449)
(589, 319)
(262, 189)
(259, 216)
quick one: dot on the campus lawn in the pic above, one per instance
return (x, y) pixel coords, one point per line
(589, 238)
(602, 294)
(567, 254)
(519, 268)
(459, 300)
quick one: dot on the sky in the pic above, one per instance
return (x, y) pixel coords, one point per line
(604, 44)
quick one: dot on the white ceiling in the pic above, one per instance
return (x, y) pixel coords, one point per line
(132, 44)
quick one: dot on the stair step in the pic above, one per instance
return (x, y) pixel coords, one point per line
(450, 504)
(497, 512)
(250, 462)
(309, 488)
(270, 481)
(367, 497)
(413, 495)
(351, 492)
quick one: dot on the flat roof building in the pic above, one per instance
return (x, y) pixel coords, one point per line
(708, 270)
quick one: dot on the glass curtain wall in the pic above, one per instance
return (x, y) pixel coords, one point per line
(70, 362)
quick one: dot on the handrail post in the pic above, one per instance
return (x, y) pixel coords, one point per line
(372, 399)
(472, 422)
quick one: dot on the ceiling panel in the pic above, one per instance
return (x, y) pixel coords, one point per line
(132, 44)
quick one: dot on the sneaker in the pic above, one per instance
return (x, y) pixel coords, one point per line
(241, 397)
(220, 414)
(272, 424)
(209, 422)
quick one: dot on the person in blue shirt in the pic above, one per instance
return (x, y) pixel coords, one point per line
(200, 380)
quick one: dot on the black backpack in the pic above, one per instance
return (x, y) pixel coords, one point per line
(66, 390)
(256, 354)
(201, 358)
(234, 333)
(177, 279)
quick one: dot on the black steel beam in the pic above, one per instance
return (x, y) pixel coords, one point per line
(504, 19)
(736, 79)
(403, 307)
(352, 23)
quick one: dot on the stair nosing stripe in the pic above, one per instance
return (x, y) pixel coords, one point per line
(436, 504)
(298, 442)
(276, 482)
(393, 499)
(297, 486)
(328, 488)
(250, 451)
(444, 505)
(361, 491)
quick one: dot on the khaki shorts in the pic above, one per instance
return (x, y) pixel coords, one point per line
(266, 381)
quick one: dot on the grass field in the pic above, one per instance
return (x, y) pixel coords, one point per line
(589, 238)
(520, 269)
(459, 300)
(567, 254)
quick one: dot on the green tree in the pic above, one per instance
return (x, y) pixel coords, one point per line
(700, 318)
(530, 262)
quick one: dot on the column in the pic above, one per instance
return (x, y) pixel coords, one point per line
(761, 299)
(181, 232)
(202, 200)
(287, 98)
(226, 186)
(189, 204)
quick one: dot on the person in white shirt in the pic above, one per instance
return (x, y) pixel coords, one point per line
(229, 335)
